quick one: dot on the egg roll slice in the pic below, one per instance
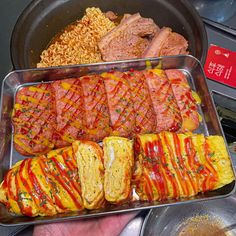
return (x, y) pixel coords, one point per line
(118, 162)
(147, 179)
(170, 165)
(8, 195)
(178, 161)
(220, 160)
(44, 185)
(155, 175)
(205, 170)
(89, 156)
(24, 192)
(62, 172)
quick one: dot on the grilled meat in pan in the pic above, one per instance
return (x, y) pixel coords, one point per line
(129, 39)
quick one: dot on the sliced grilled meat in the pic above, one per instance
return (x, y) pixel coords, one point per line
(174, 45)
(69, 110)
(145, 118)
(129, 39)
(165, 43)
(96, 113)
(120, 103)
(154, 48)
(34, 119)
(165, 106)
(185, 100)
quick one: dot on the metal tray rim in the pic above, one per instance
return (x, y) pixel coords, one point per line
(86, 216)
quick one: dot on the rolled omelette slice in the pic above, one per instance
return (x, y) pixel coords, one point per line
(219, 158)
(44, 185)
(89, 157)
(118, 162)
(170, 165)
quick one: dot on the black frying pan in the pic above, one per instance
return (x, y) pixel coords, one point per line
(43, 19)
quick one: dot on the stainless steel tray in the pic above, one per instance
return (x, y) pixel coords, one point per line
(16, 79)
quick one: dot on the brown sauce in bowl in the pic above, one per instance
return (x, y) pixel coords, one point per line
(202, 226)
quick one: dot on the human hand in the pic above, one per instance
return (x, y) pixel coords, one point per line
(103, 226)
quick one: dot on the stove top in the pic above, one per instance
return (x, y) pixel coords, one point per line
(220, 21)
(220, 11)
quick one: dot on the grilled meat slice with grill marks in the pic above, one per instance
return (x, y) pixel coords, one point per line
(95, 106)
(96, 111)
(185, 100)
(167, 112)
(34, 120)
(129, 39)
(120, 103)
(69, 110)
(145, 118)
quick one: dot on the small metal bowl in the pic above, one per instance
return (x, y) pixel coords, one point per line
(212, 218)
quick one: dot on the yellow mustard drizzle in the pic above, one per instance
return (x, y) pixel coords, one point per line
(158, 72)
(113, 77)
(199, 117)
(196, 97)
(22, 145)
(159, 65)
(148, 64)
(65, 85)
(71, 87)
(43, 141)
(32, 115)
(36, 89)
(33, 100)
(74, 123)
(71, 103)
